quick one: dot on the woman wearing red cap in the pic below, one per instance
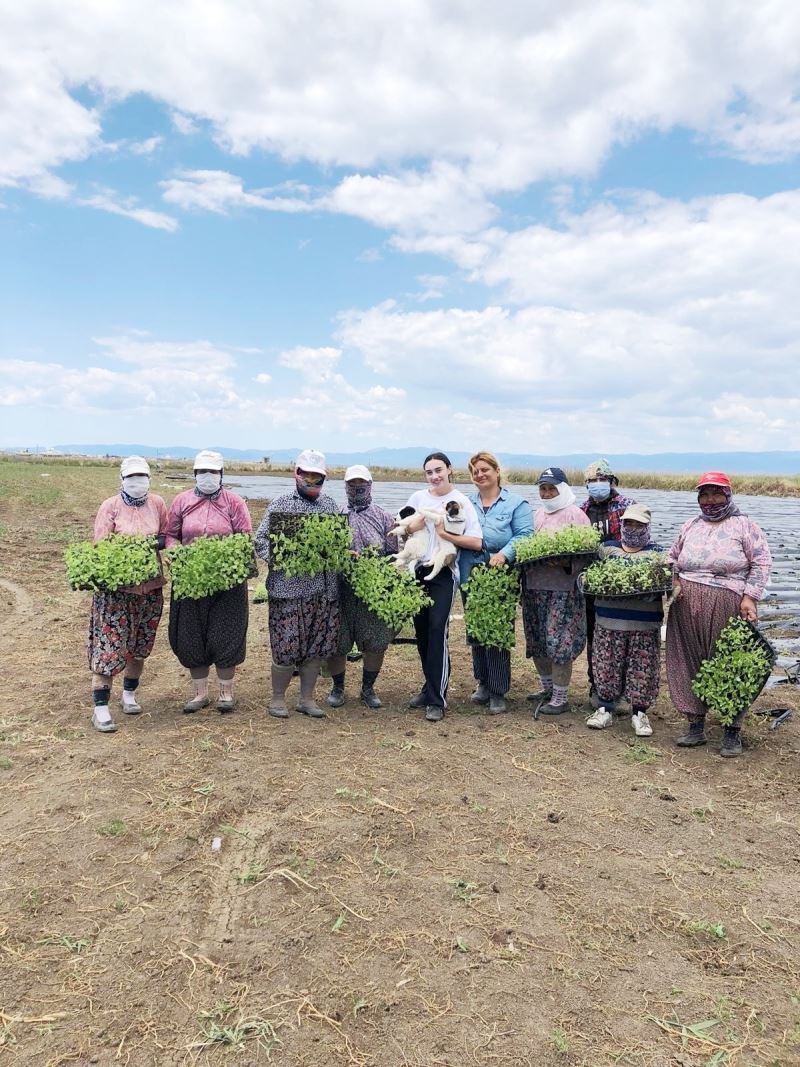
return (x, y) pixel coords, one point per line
(722, 564)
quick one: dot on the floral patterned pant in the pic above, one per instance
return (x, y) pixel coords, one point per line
(122, 626)
(627, 663)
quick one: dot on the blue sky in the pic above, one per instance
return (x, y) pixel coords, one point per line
(559, 228)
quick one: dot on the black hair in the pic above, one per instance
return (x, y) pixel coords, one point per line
(437, 455)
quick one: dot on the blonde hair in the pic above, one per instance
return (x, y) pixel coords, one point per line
(486, 457)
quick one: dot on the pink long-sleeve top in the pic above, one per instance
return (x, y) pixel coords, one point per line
(571, 515)
(147, 520)
(732, 554)
(192, 516)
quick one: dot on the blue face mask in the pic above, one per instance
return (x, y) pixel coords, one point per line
(599, 490)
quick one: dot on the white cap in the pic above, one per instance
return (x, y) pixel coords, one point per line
(208, 461)
(134, 465)
(358, 470)
(312, 461)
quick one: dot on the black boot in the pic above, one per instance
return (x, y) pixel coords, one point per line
(368, 694)
(731, 742)
(696, 734)
(336, 696)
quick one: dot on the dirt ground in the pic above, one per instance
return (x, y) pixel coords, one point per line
(387, 892)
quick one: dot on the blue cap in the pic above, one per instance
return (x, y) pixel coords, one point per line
(551, 476)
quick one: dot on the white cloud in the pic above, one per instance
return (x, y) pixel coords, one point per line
(220, 192)
(505, 95)
(146, 147)
(263, 379)
(106, 200)
(316, 364)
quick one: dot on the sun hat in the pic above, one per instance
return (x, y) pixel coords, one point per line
(134, 465)
(637, 513)
(600, 468)
(551, 476)
(358, 470)
(312, 461)
(714, 478)
(208, 461)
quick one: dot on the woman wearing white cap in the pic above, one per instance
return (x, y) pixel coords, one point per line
(370, 525)
(626, 652)
(303, 612)
(211, 630)
(123, 624)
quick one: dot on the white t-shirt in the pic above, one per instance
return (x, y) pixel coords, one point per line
(424, 498)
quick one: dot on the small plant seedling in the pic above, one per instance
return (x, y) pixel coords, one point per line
(5, 763)
(560, 1042)
(236, 1034)
(729, 863)
(205, 744)
(464, 891)
(253, 872)
(120, 904)
(461, 945)
(701, 814)
(351, 794)
(226, 828)
(379, 861)
(641, 752)
(204, 790)
(706, 927)
(502, 854)
(71, 944)
(360, 1005)
(112, 828)
(340, 921)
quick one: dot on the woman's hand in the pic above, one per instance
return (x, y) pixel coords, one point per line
(497, 560)
(676, 589)
(748, 609)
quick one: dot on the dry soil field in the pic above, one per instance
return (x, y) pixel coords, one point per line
(388, 892)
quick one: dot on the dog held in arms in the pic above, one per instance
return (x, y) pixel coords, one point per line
(415, 545)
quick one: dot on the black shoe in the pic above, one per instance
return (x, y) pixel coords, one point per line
(731, 743)
(419, 701)
(497, 704)
(481, 694)
(336, 697)
(696, 735)
(370, 697)
(554, 709)
(541, 696)
(434, 713)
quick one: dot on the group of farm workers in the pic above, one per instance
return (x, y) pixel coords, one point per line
(720, 562)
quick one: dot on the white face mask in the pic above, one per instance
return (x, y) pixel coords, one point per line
(136, 486)
(551, 504)
(208, 484)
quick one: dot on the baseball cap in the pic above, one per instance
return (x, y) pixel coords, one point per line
(551, 476)
(208, 461)
(134, 465)
(638, 513)
(312, 461)
(358, 470)
(714, 478)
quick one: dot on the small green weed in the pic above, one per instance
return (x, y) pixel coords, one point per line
(464, 891)
(560, 1041)
(112, 828)
(204, 790)
(5, 763)
(351, 794)
(729, 863)
(33, 901)
(120, 904)
(71, 944)
(379, 861)
(253, 872)
(707, 928)
(340, 921)
(236, 1034)
(641, 752)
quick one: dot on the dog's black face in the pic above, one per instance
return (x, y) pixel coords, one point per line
(405, 513)
(453, 508)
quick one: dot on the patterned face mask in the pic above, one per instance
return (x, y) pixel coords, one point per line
(635, 536)
(358, 496)
(718, 512)
(309, 486)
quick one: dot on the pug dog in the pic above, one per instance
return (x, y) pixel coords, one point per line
(415, 545)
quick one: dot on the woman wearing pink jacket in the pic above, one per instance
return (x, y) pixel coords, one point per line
(211, 630)
(123, 624)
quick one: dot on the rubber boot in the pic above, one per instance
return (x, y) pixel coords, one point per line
(696, 734)
(731, 742)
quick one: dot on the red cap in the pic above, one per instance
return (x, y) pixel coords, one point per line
(714, 478)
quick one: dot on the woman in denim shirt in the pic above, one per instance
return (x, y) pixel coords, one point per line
(504, 517)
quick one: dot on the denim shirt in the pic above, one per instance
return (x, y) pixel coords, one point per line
(503, 524)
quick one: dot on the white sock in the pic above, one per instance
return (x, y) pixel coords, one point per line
(129, 696)
(200, 686)
(101, 713)
(226, 690)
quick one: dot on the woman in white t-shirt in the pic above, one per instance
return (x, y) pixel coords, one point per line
(431, 624)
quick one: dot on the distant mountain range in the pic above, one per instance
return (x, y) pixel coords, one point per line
(660, 462)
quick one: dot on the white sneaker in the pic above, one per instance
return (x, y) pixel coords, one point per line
(129, 704)
(641, 725)
(102, 724)
(600, 719)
